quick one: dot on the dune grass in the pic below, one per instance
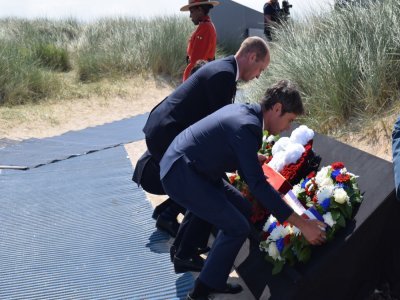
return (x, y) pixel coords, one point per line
(346, 63)
(112, 47)
(33, 53)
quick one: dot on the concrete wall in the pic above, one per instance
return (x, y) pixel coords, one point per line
(232, 21)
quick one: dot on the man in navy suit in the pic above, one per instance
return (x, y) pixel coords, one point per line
(210, 88)
(192, 169)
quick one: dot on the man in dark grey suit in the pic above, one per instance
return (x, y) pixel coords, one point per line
(227, 140)
(210, 88)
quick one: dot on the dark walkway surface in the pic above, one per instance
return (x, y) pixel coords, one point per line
(36, 152)
(79, 228)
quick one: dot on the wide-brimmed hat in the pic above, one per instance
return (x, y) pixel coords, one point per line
(198, 2)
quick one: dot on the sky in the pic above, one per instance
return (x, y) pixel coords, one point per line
(89, 10)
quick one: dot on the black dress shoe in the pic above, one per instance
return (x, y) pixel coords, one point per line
(190, 297)
(160, 208)
(193, 264)
(172, 251)
(170, 227)
(230, 288)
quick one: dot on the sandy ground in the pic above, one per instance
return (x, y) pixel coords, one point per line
(140, 96)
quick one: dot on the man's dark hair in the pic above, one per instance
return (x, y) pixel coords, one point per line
(286, 93)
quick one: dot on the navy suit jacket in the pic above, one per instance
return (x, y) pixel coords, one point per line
(228, 140)
(208, 89)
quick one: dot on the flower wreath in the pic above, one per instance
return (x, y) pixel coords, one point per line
(334, 193)
(293, 165)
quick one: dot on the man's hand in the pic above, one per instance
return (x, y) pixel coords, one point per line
(313, 230)
(261, 158)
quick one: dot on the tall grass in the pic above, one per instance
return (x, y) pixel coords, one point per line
(128, 45)
(346, 63)
(29, 52)
(34, 52)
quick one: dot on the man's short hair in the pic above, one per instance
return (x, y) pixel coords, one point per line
(286, 93)
(254, 44)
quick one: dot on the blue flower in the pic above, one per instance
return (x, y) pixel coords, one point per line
(303, 184)
(325, 203)
(272, 227)
(280, 244)
(342, 185)
(335, 173)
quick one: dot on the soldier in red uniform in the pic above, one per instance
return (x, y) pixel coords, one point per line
(203, 42)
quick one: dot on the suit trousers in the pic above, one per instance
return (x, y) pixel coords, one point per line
(194, 232)
(209, 201)
(147, 175)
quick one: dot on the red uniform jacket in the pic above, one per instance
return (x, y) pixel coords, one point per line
(202, 44)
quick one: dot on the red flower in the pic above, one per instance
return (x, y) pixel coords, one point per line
(343, 178)
(232, 178)
(286, 240)
(311, 175)
(315, 199)
(293, 171)
(337, 165)
(309, 192)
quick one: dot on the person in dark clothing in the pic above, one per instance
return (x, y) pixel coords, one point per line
(271, 17)
(194, 165)
(210, 88)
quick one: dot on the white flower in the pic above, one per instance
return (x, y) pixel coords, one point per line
(328, 219)
(292, 230)
(340, 196)
(278, 161)
(272, 138)
(322, 175)
(280, 145)
(285, 156)
(273, 251)
(325, 192)
(352, 175)
(270, 220)
(343, 171)
(296, 231)
(326, 182)
(302, 135)
(293, 153)
(278, 232)
(310, 185)
(297, 190)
